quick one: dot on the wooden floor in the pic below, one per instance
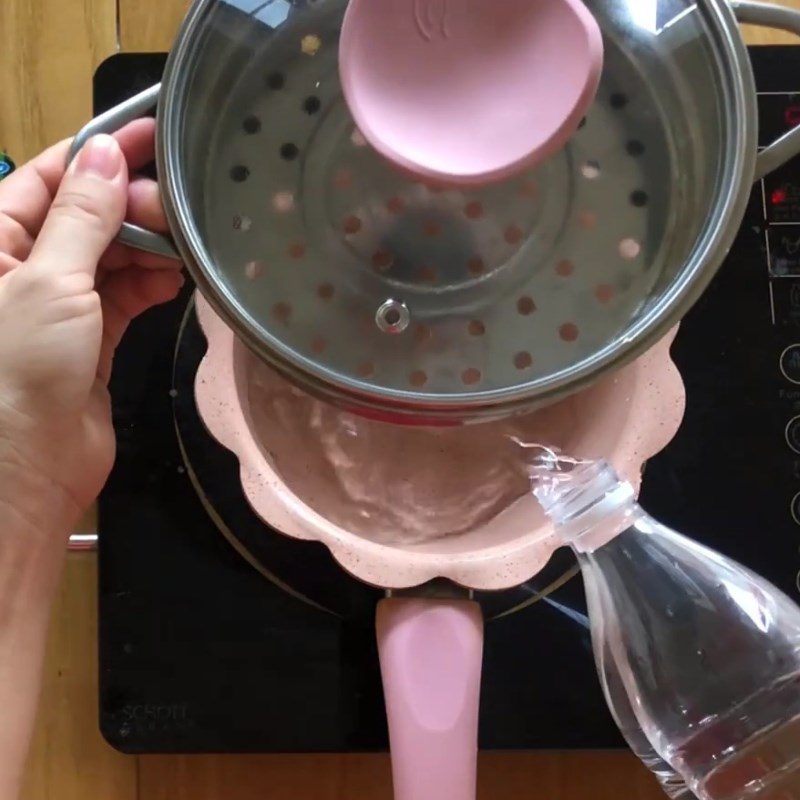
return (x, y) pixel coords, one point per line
(48, 52)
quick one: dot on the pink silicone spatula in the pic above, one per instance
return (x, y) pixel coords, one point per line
(469, 91)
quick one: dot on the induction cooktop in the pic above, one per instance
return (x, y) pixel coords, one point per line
(217, 634)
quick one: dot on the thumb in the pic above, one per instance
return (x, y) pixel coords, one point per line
(87, 211)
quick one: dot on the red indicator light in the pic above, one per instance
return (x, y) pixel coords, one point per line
(778, 196)
(792, 116)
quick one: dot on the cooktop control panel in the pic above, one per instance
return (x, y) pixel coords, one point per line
(779, 195)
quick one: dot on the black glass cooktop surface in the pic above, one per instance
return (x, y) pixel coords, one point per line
(220, 635)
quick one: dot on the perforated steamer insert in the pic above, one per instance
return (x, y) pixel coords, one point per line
(415, 289)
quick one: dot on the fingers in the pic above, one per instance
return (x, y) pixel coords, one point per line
(145, 210)
(26, 195)
(15, 241)
(119, 256)
(126, 294)
(7, 263)
(138, 142)
(144, 205)
(86, 212)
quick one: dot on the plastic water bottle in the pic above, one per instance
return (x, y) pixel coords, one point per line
(671, 782)
(706, 652)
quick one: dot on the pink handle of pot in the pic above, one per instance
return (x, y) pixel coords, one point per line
(431, 655)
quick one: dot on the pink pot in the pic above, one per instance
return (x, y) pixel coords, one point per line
(430, 649)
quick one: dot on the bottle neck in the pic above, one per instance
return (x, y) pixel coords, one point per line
(589, 505)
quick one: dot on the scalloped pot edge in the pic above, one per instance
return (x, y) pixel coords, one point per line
(627, 417)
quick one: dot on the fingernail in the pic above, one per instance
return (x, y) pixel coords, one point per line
(100, 156)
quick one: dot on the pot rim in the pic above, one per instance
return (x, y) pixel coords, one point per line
(655, 398)
(695, 276)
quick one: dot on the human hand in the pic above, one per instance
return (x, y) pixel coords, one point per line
(67, 295)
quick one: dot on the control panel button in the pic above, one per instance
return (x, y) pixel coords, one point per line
(790, 363)
(777, 114)
(786, 304)
(784, 250)
(782, 194)
(795, 508)
(793, 434)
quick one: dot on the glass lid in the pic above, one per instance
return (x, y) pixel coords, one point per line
(358, 276)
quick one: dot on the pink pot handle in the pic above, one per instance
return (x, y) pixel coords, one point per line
(431, 655)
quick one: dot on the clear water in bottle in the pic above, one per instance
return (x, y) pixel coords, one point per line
(753, 751)
(669, 779)
(707, 652)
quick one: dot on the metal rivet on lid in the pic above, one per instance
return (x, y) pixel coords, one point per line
(392, 316)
